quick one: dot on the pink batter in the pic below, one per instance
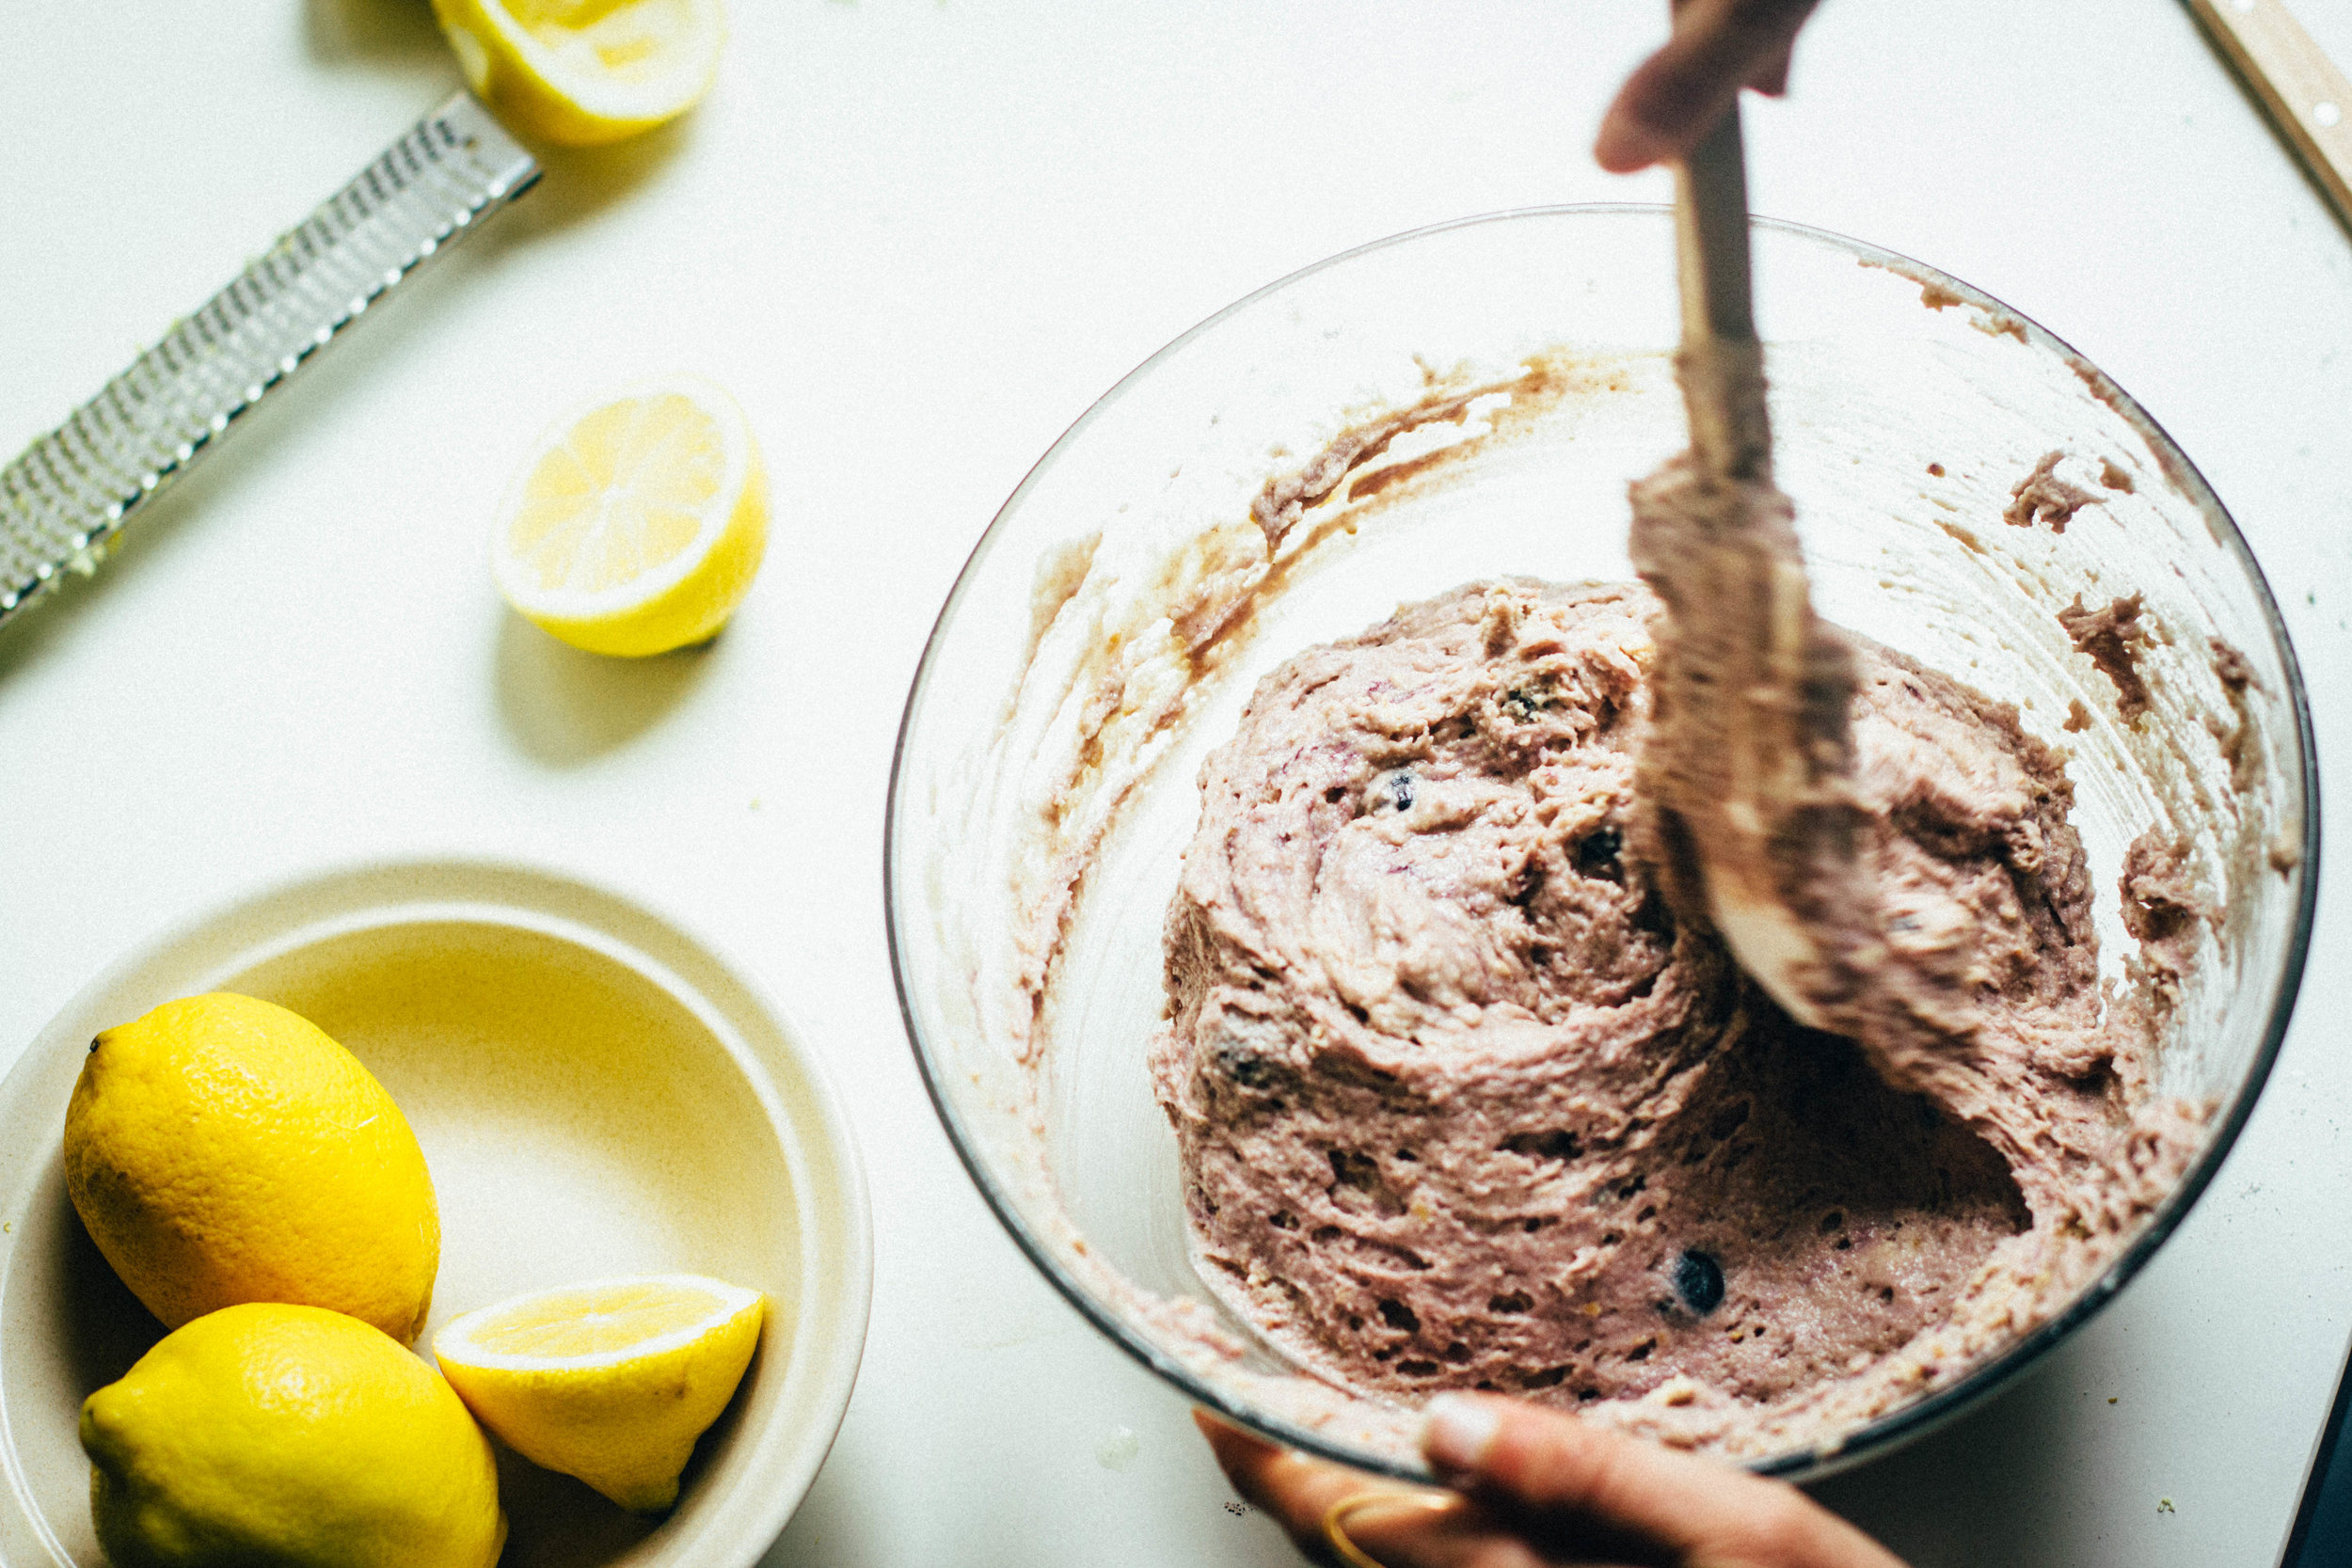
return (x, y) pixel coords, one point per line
(1462, 1104)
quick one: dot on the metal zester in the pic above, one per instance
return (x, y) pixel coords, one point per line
(65, 498)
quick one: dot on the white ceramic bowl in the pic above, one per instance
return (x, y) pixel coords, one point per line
(597, 1094)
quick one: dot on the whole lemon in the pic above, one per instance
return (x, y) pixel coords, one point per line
(293, 1436)
(223, 1149)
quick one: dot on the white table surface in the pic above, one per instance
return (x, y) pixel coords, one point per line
(917, 237)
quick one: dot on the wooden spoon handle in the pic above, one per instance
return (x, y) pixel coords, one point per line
(2306, 96)
(1721, 368)
(1712, 236)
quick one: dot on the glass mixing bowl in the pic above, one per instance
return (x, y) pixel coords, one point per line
(1471, 401)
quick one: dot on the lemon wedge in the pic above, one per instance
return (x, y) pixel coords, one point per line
(579, 72)
(610, 1381)
(638, 522)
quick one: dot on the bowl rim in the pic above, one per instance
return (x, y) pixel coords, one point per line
(1897, 1427)
(271, 917)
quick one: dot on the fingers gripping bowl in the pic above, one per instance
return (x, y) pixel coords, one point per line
(1469, 403)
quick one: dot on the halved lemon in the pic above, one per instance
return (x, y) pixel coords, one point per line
(638, 522)
(610, 1381)
(578, 73)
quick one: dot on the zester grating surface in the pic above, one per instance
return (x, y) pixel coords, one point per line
(65, 498)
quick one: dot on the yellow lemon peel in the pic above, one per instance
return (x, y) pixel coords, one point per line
(638, 522)
(581, 72)
(290, 1435)
(610, 1381)
(222, 1149)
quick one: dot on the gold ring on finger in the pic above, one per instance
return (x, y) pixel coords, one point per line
(1335, 1518)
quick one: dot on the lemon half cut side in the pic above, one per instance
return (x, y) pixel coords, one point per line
(610, 1381)
(581, 72)
(638, 521)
